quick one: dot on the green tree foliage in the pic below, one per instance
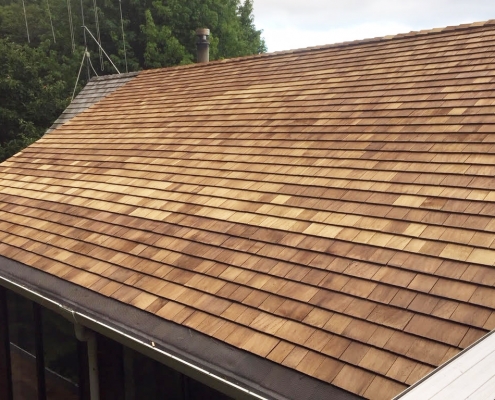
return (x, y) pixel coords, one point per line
(34, 87)
(233, 33)
(37, 78)
(162, 47)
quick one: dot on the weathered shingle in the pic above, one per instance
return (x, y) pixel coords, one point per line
(95, 90)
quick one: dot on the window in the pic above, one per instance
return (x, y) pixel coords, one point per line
(41, 359)
(146, 378)
(44, 352)
(22, 347)
(60, 356)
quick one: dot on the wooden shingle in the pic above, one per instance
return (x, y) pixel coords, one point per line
(329, 210)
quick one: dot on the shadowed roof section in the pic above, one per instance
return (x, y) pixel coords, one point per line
(330, 210)
(94, 91)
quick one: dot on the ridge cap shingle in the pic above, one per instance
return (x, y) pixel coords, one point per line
(123, 75)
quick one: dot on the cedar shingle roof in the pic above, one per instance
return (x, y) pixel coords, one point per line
(328, 209)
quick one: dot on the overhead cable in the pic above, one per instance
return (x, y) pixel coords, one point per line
(25, 19)
(98, 36)
(85, 42)
(51, 21)
(71, 25)
(123, 35)
(79, 74)
(103, 50)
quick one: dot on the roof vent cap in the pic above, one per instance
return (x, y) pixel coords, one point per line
(203, 45)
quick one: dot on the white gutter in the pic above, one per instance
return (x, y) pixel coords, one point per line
(86, 321)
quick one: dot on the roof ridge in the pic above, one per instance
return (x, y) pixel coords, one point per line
(411, 34)
(121, 75)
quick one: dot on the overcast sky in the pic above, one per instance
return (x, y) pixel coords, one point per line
(292, 24)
